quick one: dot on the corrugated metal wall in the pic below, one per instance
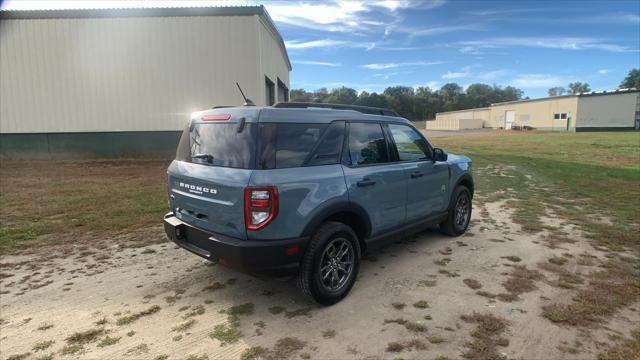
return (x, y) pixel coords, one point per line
(127, 74)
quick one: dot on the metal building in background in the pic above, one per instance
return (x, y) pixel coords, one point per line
(122, 82)
(593, 111)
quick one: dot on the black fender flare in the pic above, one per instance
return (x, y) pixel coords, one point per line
(463, 177)
(344, 206)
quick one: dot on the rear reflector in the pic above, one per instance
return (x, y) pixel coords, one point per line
(293, 250)
(219, 117)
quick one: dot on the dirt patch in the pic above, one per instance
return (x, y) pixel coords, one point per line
(118, 301)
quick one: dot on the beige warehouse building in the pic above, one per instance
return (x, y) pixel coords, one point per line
(594, 111)
(124, 81)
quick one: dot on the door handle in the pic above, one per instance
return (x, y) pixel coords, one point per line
(366, 182)
(416, 174)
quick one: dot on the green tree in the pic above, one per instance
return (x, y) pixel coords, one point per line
(632, 80)
(452, 97)
(342, 95)
(556, 91)
(320, 95)
(578, 87)
(300, 95)
(401, 99)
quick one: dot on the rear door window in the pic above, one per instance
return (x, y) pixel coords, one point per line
(286, 145)
(367, 144)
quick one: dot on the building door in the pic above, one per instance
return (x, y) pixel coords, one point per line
(509, 118)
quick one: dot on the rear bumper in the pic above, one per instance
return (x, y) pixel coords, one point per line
(275, 257)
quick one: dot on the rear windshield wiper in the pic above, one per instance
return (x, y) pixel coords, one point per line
(207, 157)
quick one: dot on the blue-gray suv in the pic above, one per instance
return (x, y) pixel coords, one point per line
(308, 188)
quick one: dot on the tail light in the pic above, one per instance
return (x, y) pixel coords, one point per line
(260, 206)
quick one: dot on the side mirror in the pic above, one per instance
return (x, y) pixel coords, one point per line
(439, 155)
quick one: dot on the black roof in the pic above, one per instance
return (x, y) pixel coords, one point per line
(362, 109)
(150, 12)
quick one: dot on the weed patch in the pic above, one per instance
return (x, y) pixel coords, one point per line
(108, 341)
(133, 317)
(42, 345)
(84, 337)
(472, 283)
(608, 290)
(486, 336)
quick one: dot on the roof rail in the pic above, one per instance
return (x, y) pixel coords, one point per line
(362, 109)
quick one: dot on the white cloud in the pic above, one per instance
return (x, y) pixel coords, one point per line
(455, 75)
(383, 66)
(538, 81)
(414, 32)
(492, 75)
(462, 73)
(604, 71)
(564, 43)
(323, 43)
(394, 5)
(319, 63)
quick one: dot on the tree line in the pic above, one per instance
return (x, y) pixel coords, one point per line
(414, 104)
(632, 80)
(423, 103)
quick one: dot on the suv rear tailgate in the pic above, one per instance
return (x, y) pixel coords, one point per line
(210, 198)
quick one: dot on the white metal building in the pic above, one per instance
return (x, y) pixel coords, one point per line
(124, 81)
(593, 111)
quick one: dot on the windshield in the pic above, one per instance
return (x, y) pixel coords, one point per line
(229, 145)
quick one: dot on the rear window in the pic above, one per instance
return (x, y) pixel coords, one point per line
(285, 145)
(228, 145)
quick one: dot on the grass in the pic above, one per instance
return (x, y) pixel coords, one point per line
(275, 310)
(472, 283)
(298, 312)
(42, 345)
(421, 304)
(398, 305)
(252, 353)
(628, 349)
(195, 311)
(395, 346)
(108, 341)
(329, 334)
(409, 325)
(521, 280)
(84, 337)
(128, 319)
(72, 349)
(36, 195)
(184, 326)
(230, 333)
(607, 291)
(45, 326)
(579, 174)
(486, 336)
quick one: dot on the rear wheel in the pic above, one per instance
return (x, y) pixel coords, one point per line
(330, 265)
(460, 213)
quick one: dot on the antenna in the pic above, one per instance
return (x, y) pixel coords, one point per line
(247, 102)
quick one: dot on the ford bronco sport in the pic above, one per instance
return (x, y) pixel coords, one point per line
(308, 188)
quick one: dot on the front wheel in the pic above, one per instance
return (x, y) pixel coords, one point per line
(330, 265)
(460, 213)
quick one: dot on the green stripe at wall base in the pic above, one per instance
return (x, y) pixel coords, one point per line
(156, 144)
(604, 128)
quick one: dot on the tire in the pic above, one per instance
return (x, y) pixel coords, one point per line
(458, 218)
(320, 267)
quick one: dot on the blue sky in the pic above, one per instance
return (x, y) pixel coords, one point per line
(369, 45)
